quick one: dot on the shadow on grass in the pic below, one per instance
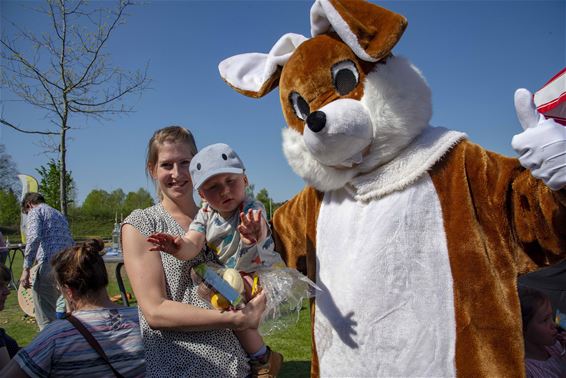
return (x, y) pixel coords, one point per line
(295, 369)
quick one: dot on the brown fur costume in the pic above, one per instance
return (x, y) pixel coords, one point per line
(367, 114)
(500, 222)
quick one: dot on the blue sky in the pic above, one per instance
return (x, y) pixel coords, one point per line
(474, 55)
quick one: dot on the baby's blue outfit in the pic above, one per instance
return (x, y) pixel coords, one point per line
(223, 238)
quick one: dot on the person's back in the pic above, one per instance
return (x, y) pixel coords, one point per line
(61, 350)
(47, 234)
(49, 230)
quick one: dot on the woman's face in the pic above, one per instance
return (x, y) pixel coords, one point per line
(171, 171)
(4, 292)
(541, 330)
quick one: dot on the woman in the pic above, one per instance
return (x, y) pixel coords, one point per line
(182, 336)
(61, 350)
(8, 346)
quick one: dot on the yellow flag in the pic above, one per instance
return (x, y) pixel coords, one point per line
(29, 185)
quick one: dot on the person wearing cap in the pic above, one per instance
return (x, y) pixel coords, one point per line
(233, 225)
(182, 335)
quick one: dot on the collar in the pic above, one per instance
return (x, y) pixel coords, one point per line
(406, 168)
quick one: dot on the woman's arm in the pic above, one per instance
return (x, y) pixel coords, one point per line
(146, 275)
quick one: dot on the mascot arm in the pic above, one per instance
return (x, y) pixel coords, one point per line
(539, 217)
(294, 230)
(517, 212)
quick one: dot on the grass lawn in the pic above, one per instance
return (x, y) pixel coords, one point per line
(294, 343)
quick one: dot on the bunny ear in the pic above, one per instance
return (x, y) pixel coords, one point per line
(256, 74)
(369, 30)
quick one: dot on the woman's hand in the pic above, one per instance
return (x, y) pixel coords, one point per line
(252, 227)
(165, 242)
(251, 313)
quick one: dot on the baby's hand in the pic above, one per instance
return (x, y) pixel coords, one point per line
(252, 227)
(165, 242)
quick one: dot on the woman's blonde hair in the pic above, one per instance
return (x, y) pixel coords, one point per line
(170, 134)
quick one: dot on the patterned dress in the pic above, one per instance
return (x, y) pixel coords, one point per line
(213, 353)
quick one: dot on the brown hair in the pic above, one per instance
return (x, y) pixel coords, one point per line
(81, 268)
(531, 300)
(32, 198)
(5, 275)
(171, 134)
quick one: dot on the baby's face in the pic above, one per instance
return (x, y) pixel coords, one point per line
(224, 192)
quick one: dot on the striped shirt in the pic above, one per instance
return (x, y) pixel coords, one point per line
(47, 233)
(60, 350)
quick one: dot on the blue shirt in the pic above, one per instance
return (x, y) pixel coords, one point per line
(47, 233)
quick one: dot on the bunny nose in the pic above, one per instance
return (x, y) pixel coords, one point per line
(316, 121)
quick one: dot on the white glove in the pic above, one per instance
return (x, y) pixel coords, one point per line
(542, 146)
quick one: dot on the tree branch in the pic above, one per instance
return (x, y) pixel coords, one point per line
(19, 58)
(102, 41)
(6, 123)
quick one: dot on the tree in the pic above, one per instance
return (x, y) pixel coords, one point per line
(8, 172)
(263, 197)
(137, 200)
(96, 205)
(49, 184)
(116, 202)
(66, 71)
(10, 208)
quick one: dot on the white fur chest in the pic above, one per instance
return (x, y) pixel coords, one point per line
(387, 307)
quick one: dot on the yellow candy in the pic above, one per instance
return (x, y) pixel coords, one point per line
(219, 302)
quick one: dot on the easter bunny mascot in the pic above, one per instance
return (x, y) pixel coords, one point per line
(415, 234)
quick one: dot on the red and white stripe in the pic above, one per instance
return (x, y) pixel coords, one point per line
(550, 100)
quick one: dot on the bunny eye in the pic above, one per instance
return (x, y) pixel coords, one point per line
(300, 106)
(345, 77)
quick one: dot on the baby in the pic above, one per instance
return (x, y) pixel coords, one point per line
(233, 225)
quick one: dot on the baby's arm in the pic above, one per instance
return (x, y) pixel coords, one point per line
(252, 227)
(183, 248)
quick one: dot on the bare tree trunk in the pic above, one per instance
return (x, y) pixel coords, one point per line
(64, 118)
(63, 173)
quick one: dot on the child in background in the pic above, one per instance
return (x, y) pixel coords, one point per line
(545, 353)
(233, 225)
